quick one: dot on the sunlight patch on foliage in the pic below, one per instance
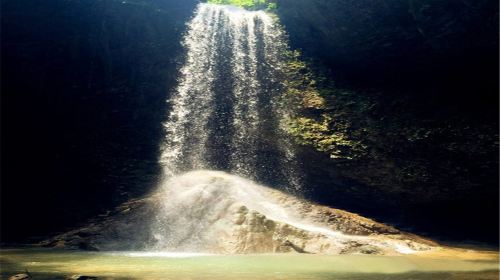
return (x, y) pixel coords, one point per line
(322, 136)
(313, 124)
(301, 83)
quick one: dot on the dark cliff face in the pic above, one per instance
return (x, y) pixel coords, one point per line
(416, 83)
(440, 47)
(84, 85)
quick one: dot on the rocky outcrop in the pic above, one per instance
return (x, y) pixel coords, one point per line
(22, 276)
(214, 212)
(123, 228)
(81, 277)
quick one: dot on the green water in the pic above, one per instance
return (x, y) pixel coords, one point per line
(53, 264)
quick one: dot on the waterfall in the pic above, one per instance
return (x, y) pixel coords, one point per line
(226, 112)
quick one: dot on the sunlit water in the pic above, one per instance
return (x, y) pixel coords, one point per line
(226, 112)
(50, 264)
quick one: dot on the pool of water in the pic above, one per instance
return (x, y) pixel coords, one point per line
(55, 264)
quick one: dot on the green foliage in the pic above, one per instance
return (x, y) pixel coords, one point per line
(272, 6)
(301, 83)
(325, 136)
(248, 4)
(314, 123)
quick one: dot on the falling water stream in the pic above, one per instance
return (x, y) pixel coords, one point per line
(226, 112)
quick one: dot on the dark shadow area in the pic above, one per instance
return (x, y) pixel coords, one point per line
(424, 68)
(84, 89)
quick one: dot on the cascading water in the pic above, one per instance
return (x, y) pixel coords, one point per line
(225, 113)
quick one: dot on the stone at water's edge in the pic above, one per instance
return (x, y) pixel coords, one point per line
(22, 276)
(81, 277)
(214, 212)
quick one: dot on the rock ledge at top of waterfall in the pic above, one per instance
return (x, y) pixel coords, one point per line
(214, 212)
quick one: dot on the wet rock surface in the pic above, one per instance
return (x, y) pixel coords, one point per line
(81, 277)
(123, 228)
(235, 223)
(22, 276)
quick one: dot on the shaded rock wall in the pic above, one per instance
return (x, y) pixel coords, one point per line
(415, 84)
(84, 85)
(440, 47)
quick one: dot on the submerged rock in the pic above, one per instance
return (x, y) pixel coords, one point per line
(214, 212)
(22, 276)
(81, 277)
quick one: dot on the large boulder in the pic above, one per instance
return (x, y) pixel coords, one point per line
(214, 212)
(22, 276)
